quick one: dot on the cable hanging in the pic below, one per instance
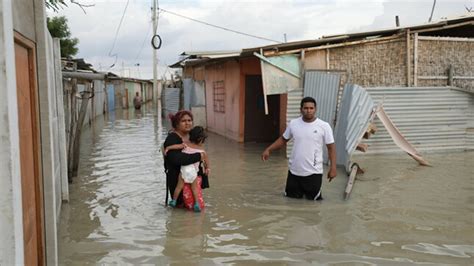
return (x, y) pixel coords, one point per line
(219, 27)
(116, 35)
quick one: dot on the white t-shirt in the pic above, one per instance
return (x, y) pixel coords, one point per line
(309, 141)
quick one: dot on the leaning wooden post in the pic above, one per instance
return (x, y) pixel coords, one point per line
(350, 182)
(408, 59)
(77, 134)
(415, 59)
(72, 129)
(450, 75)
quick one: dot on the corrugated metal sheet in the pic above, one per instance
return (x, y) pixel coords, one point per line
(356, 108)
(98, 101)
(194, 94)
(430, 118)
(170, 101)
(110, 97)
(188, 87)
(292, 112)
(470, 126)
(324, 87)
(199, 94)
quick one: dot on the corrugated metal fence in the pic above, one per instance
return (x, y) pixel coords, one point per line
(430, 118)
(188, 87)
(292, 112)
(324, 87)
(170, 101)
(356, 108)
(193, 94)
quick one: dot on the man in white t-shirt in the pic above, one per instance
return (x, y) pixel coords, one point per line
(309, 134)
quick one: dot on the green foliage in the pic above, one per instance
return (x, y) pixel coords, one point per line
(58, 28)
(55, 4)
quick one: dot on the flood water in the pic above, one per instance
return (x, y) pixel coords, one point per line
(399, 213)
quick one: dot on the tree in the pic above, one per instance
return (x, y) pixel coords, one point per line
(55, 5)
(58, 28)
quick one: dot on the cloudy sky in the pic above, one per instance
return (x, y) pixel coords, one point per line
(270, 19)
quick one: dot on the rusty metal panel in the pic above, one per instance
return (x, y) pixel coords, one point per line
(292, 112)
(323, 87)
(430, 118)
(356, 108)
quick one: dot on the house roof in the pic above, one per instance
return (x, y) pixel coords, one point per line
(462, 26)
(212, 54)
(115, 77)
(198, 57)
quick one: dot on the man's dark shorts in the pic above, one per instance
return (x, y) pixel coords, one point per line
(308, 186)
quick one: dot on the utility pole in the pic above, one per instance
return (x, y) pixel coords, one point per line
(432, 11)
(156, 93)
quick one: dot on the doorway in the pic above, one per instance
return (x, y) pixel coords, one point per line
(259, 127)
(31, 179)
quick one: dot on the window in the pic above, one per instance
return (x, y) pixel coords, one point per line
(219, 96)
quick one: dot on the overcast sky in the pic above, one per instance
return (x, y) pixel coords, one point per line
(300, 20)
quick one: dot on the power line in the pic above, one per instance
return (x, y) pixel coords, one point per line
(116, 34)
(144, 40)
(157, 16)
(219, 27)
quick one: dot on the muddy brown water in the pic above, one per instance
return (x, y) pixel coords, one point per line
(399, 213)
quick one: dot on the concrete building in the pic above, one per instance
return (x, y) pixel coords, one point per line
(33, 172)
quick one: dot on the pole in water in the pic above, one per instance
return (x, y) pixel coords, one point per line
(350, 182)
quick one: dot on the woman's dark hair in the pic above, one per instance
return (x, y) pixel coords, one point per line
(178, 116)
(307, 100)
(197, 135)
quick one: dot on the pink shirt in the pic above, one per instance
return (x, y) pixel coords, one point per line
(190, 150)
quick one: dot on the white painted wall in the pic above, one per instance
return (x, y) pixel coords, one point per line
(49, 132)
(99, 99)
(11, 220)
(61, 122)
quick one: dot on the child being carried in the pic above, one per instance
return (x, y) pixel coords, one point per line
(189, 173)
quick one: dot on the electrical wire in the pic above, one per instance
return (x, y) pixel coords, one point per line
(219, 27)
(144, 40)
(158, 11)
(116, 34)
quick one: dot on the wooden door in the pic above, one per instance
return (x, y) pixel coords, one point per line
(31, 181)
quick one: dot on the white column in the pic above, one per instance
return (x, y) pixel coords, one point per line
(11, 218)
(61, 120)
(50, 160)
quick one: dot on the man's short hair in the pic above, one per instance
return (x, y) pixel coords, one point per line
(307, 100)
